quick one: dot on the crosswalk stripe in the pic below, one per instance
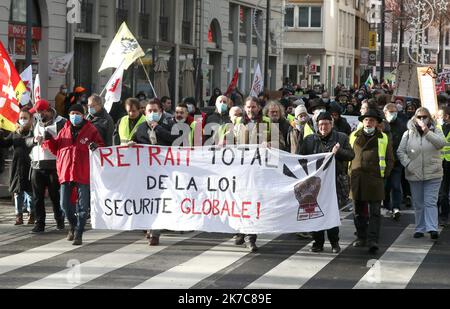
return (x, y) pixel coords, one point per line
(398, 264)
(209, 262)
(102, 265)
(13, 262)
(295, 271)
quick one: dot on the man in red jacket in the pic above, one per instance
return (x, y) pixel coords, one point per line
(71, 148)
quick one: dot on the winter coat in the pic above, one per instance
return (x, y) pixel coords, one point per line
(420, 154)
(341, 125)
(105, 126)
(315, 144)
(163, 133)
(224, 122)
(398, 128)
(365, 176)
(19, 174)
(43, 159)
(72, 154)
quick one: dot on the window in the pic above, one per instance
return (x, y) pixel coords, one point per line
(310, 17)
(289, 17)
(188, 11)
(447, 38)
(18, 13)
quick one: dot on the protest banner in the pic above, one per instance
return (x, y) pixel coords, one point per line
(235, 189)
(407, 82)
(427, 86)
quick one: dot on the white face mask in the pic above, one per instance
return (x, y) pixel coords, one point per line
(369, 131)
(182, 120)
(390, 117)
(23, 122)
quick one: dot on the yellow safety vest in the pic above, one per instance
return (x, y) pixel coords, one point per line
(445, 152)
(382, 150)
(307, 131)
(124, 128)
(265, 120)
(290, 118)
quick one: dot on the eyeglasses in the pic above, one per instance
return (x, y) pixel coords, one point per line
(422, 117)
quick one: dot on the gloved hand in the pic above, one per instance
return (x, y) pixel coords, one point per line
(93, 146)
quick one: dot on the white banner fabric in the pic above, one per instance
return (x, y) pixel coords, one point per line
(234, 189)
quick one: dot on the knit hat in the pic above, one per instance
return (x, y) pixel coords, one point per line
(76, 108)
(324, 116)
(300, 110)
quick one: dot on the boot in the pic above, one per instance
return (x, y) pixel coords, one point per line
(77, 241)
(30, 219)
(154, 241)
(19, 219)
(71, 234)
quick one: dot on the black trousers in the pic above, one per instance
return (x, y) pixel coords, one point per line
(368, 220)
(333, 236)
(40, 180)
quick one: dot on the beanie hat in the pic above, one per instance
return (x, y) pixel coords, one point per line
(76, 108)
(300, 110)
(324, 116)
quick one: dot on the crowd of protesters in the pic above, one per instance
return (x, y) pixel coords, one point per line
(398, 155)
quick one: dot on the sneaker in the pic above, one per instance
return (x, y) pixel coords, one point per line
(335, 248)
(359, 243)
(239, 240)
(373, 247)
(38, 229)
(154, 241)
(251, 246)
(304, 235)
(60, 225)
(316, 248)
(71, 235)
(418, 235)
(434, 235)
(396, 215)
(19, 220)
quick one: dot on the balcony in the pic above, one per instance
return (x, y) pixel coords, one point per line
(144, 20)
(164, 28)
(87, 11)
(186, 32)
(121, 16)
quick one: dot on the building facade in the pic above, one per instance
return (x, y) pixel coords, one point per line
(323, 41)
(215, 36)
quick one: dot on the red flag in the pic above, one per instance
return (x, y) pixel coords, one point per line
(440, 88)
(233, 83)
(11, 90)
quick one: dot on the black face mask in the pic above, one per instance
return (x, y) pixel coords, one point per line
(410, 114)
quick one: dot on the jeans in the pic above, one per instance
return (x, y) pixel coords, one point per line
(78, 221)
(333, 236)
(368, 220)
(41, 179)
(394, 186)
(424, 200)
(444, 192)
(22, 202)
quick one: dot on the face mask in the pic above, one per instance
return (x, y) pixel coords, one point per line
(64, 91)
(326, 100)
(369, 131)
(423, 122)
(222, 108)
(410, 114)
(76, 119)
(182, 120)
(92, 111)
(399, 107)
(23, 122)
(190, 108)
(153, 117)
(360, 97)
(391, 117)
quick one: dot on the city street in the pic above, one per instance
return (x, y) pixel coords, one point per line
(111, 259)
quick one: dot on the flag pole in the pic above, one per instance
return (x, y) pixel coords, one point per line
(148, 77)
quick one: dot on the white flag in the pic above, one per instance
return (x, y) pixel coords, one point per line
(114, 88)
(58, 66)
(37, 89)
(124, 48)
(257, 86)
(27, 78)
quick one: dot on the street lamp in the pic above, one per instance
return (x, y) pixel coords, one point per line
(383, 18)
(266, 60)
